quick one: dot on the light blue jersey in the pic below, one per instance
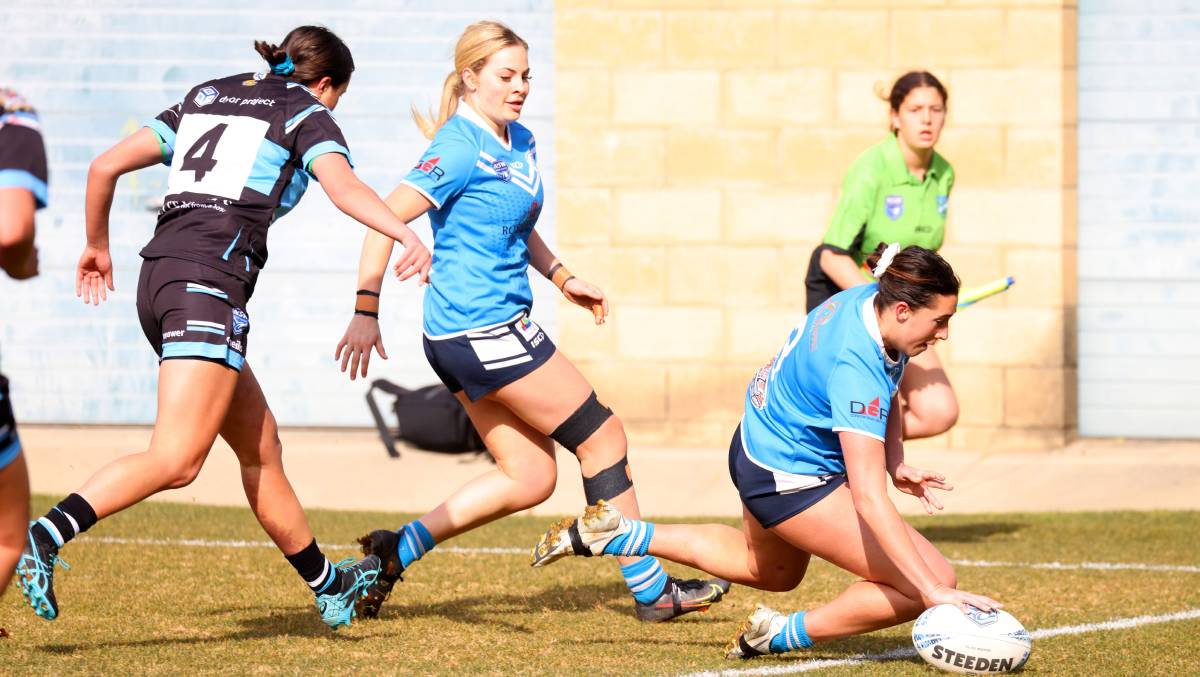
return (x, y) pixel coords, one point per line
(831, 376)
(486, 195)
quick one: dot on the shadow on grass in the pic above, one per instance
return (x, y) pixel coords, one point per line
(498, 609)
(294, 622)
(969, 533)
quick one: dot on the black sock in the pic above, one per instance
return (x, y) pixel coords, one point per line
(314, 567)
(71, 517)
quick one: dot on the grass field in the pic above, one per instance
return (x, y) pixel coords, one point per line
(218, 606)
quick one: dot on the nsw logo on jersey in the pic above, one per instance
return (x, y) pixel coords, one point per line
(758, 387)
(205, 96)
(431, 168)
(870, 409)
(893, 206)
(501, 169)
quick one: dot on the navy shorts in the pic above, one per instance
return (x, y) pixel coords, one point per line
(10, 444)
(760, 488)
(191, 311)
(480, 361)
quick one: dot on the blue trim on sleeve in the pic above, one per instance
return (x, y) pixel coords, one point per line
(19, 178)
(11, 452)
(212, 351)
(321, 149)
(166, 136)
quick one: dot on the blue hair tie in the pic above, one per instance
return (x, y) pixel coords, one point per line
(285, 67)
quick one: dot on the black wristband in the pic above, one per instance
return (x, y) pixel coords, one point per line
(367, 292)
(550, 273)
(367, 313)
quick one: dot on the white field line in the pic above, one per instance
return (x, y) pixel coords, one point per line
(1055, 566)
(907, 652)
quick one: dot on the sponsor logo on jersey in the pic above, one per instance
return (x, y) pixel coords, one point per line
(430, 167)
(942, 201)
(871, 409)
(893, 206)
(823, 316)
(205, 96)
(758, 387)
(240, 321)
(236, 345)
(172, 334)
(518, 165)
(501, 169)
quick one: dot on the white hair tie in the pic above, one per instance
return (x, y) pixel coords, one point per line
(885, 259)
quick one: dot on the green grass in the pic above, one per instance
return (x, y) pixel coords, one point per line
(153, 609)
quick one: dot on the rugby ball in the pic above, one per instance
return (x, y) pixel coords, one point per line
(974, 643)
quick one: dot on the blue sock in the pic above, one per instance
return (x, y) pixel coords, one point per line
(415, 541)
(632, 543)
(793, 635)
(645, 578)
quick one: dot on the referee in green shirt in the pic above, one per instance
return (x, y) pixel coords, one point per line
(897, 191)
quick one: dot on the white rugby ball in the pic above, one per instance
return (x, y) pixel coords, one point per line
(976, 643)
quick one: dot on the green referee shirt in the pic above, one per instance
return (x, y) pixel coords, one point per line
(882, 202)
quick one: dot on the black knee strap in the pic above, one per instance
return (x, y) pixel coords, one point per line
(580, 425)
(608, 483)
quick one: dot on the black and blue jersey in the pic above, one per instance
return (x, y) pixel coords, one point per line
(240, 150)
(22, 153)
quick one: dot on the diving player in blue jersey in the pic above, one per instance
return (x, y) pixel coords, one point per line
(241, 151)
(23, 191)
(480, 183)
(820, 437)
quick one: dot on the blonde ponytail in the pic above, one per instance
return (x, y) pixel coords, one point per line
(452, 90)
(476, 45)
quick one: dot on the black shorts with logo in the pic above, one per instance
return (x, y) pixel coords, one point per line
(760, 490)
(191, 311)
(10, 444)
(479, 361)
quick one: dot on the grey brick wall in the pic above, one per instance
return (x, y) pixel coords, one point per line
(97, 69)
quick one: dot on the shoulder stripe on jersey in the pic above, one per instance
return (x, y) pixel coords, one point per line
(299, 117)
(21, 119)
(19, 178)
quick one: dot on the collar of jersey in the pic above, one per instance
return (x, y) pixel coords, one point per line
(872, 324)
(468, 113)
(899, 169)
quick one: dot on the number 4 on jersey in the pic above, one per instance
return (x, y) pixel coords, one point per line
(199, 158)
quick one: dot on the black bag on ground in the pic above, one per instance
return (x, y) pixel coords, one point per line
(429, 418)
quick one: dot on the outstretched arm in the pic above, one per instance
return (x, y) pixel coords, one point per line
(363, 333)
(359, 202)
(867, 478)
(94, 274)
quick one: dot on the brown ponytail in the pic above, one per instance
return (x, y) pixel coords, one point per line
(914, 276)
(316, 52)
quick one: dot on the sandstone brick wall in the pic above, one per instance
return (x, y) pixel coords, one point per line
(701, 146)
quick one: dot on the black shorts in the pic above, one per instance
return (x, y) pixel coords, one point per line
(10, 444)
(191, 311)
(760, 492)
(480, 361)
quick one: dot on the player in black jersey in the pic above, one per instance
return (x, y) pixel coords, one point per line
(22, 192)
(241, 150)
